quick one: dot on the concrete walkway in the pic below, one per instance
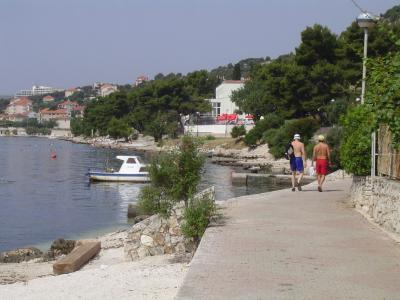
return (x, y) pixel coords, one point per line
(294, 245)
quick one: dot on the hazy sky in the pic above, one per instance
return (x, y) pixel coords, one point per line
(66, 43)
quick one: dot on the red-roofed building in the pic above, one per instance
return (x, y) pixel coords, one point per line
(64, 111)
(70, 92)
(21, 105)
(141, 79)
(48, 99)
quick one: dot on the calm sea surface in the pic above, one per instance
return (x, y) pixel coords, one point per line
(43, 199)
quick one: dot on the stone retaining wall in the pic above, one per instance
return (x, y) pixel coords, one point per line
(380, 200)
(159, 235)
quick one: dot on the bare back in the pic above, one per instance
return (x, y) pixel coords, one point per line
(321, 151)
(298, 148)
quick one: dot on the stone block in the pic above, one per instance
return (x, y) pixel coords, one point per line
(147, 240)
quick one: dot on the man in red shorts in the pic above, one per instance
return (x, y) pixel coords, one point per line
(322, 157)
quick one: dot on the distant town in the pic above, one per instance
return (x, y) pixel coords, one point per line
(52, 105)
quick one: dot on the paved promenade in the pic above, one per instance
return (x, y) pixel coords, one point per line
(294, 245)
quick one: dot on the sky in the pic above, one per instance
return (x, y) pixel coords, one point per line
(69, 43)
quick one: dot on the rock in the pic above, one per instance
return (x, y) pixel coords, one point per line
(133, 210)
(156, 251)
(147, 240)
(20, 255)
(140, 218)
(143, 252)
(62, 246)
(159, 239)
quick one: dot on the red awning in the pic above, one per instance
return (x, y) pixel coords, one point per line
(249, 117)
(227, 117)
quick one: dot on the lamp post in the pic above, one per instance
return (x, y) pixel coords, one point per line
(367, 21)
(197, 114)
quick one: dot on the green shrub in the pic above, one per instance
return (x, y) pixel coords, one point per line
(197, 217)
(355, 149)
(334, 140)
(277, 138)
(210, 137)
(270, 121)
(251, 138)
(174, 177)
(238, 131)
(152, 201)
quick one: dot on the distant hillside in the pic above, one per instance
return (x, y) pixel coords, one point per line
(226, 72)
(393, 14)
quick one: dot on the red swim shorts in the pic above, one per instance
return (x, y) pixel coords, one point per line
(322, 166)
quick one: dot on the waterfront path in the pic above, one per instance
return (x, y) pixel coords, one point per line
(294, 245)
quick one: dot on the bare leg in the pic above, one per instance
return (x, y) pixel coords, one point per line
(322, 180)
(293, 179)
(300, 177)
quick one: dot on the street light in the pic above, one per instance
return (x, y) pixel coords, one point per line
(197, 114)
(366, 21)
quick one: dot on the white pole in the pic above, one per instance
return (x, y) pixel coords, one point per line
(364, 72)
(373, 153)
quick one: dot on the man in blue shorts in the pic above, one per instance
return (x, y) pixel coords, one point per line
(296, 162)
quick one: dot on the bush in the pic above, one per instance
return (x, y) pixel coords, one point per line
(152, 201)
(174, 177)
(210, 137)
(336, 109)
(334, 140)
(270, 121)
(277, 138)
(197, 217)
(238, 131)
(251, 138)
(355, 150)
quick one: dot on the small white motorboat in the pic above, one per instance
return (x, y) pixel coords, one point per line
(131, 170)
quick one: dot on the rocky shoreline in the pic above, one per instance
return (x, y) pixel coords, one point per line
(256, 160)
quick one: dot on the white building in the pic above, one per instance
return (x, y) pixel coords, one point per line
(222, 104)
(37, 90)
(70, 92)
(107, 89)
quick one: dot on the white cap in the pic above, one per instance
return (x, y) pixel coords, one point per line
(296, 136)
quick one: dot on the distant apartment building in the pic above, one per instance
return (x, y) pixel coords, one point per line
(48, 98)
(141, 79)
(107, 89)
(37, 90)
(222, 104)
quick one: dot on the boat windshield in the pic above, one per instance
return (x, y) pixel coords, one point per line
(131, 160)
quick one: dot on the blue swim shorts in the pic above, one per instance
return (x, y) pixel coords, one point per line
(296, 164)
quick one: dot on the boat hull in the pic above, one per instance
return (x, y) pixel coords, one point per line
(103, 176)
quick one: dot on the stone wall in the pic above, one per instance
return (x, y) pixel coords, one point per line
(380, 200)
(159, 235)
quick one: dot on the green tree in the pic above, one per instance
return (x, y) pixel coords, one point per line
(118, 128)
(236, 74)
